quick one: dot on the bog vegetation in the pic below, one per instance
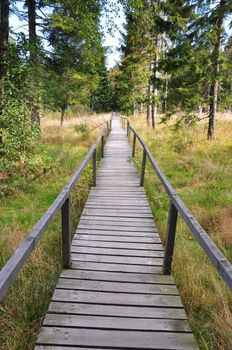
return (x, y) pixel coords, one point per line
(174, 80)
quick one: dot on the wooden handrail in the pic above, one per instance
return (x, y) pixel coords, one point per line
(221, 263)
(15, 263)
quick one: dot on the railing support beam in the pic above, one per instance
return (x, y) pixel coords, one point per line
(133, 148)
(66, 234)
(95, 168)
(143, 167)
(102, 146)
(170, 239)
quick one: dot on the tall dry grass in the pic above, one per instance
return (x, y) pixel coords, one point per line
(200, 171)
(25, 305)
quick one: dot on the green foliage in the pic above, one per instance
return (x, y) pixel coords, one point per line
(83, 130)
(177, 48)
(18, 136)
(70, 72)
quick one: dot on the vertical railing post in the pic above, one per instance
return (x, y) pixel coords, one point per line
(170, 239)
(66, 234)
(134, 143)
(102, 146)
(128, 127)
(95, 168)
(107, 127)
(143, 167)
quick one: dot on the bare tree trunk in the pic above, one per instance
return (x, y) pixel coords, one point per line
(35, 116)
(154, 115)
(213, 93)
(149, 102)
(165, 103)
(155, 73)
(4, 35)
(63, 109)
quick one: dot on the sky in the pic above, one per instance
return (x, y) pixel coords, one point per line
(112, 39)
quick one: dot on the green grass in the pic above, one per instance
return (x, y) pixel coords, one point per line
(200, 171)
(25, 305)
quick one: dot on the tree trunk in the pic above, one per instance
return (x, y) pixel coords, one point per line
(63, 109)
(155, 75)
(35, 116)
(213, 93)
(165, 103)
(154, 115)
(4, 35)
(149, 102)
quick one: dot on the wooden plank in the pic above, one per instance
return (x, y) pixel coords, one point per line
(117, 252)
(116, 298)
(118, 277)
(117, 323)
(117, 310)
(117, 245)
(118, 229)
(117, 213)
(116, 287)
(118, 222)
(118, 259)
(118, 339)
(103, 266)
(118, 233)
(82, 237)
(136, 220)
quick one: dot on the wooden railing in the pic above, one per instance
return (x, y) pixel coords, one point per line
(176, 206)
(14, 265)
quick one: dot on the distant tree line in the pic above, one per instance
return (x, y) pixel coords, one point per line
(176, 60)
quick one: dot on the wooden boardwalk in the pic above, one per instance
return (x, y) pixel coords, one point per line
(115, 296)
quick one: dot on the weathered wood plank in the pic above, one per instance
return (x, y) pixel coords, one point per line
(118, 339)
(118, 277)
(117, 252)
(119, 233)
(117, 245)
(116, 298)
(117, 323)
(103, 266)
(118, 259)
(115, 239)
(102, 218)
(117, 287)
(117, 228)
(117, 310)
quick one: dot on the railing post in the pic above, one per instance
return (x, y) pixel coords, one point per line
(128, 127)
(102, 146)
(107, 126)
(170, 239)
(143, 167)
(133, 148)
(94, 167)
(66, 234)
